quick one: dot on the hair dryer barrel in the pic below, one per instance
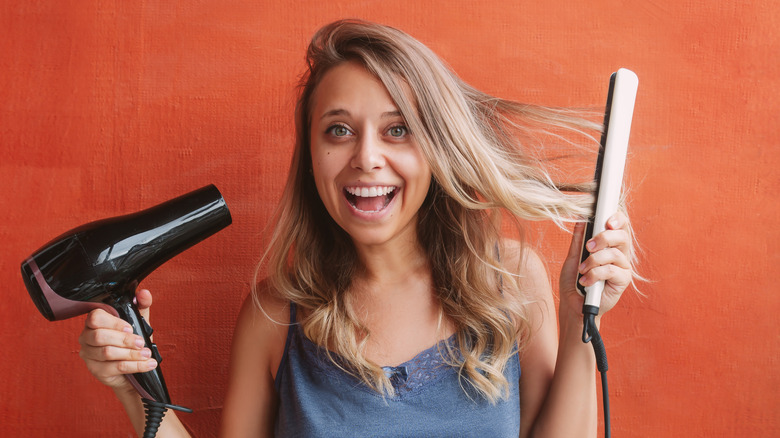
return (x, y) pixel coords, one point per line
(97, 264)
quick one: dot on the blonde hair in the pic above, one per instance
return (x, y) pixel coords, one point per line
(473, 145)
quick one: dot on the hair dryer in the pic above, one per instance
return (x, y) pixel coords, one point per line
(100, 264)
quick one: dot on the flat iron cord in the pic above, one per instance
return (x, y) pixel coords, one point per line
(590, 333)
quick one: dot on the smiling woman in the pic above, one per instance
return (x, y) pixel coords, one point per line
(368, 169)
(393, 305)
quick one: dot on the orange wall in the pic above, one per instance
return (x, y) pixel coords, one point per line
(111, 107)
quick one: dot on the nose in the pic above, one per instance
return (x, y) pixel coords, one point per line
(368, 154)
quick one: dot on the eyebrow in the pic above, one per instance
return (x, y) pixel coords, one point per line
(343, 112)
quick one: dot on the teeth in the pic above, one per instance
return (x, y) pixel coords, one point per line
(370, 192)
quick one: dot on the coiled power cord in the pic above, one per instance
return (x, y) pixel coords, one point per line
(154, 414)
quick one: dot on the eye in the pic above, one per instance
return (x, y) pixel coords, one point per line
(338, 131)
(398, 131)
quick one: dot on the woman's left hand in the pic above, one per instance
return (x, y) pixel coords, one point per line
(609, 261)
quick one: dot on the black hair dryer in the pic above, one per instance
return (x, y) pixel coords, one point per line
(100, 264)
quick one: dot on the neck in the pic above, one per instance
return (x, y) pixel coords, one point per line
(392, 263)
(393, 281)
(393, 295)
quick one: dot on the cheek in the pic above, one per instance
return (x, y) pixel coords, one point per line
(319, 179)
(417, 169)
(323, 167)
(417, 176)
(325, 172)
(318, 163)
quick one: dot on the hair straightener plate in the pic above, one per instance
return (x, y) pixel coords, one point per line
(609, 168)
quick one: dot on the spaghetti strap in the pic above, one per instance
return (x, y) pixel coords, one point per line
(285, 357)
(293, 310)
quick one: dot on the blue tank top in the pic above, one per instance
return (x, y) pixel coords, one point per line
(317, 399)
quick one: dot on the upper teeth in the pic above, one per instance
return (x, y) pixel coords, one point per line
(370, 192)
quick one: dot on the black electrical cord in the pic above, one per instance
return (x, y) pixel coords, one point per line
(154, 415)
(590, 333)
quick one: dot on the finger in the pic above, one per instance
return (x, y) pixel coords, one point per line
(610, 239)
(110, 353)
(109, 370)
(100, 319)
(143, 299)
(617, 221)
(109, 337)
(132, 367)
(578, 234)
(606, 256)
(615, 276)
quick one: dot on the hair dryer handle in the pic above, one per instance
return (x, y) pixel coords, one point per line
(150, 384)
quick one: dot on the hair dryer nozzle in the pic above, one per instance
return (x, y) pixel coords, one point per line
(34, 289)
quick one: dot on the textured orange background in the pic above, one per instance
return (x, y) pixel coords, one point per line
(110, 107)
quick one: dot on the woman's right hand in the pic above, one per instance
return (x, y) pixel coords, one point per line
(111, 349)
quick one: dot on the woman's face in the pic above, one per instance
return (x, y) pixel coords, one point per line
(367, 166)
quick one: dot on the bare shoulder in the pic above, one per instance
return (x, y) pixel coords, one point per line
(532, 276)
(262, 326)
(258, 347)
(264, 310)
(539, 350)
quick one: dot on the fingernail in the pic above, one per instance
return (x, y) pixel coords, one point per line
(591, 245)
(151, 364)
(127, 329)
(581, 267)
(139, 342)
(146, 353)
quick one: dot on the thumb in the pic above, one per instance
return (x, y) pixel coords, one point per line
(572, 262)
(143, 299)
(576, 241)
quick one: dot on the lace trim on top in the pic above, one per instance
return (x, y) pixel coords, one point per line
(424, 369)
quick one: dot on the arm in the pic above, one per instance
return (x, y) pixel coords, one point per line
(109, 349)
(558, 380)
(258, 346)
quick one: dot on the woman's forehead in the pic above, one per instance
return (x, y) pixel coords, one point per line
(347, 88)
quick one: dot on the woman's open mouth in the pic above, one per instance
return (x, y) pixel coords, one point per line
(370, 199)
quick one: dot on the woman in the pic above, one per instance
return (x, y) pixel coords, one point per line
(411, 315)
